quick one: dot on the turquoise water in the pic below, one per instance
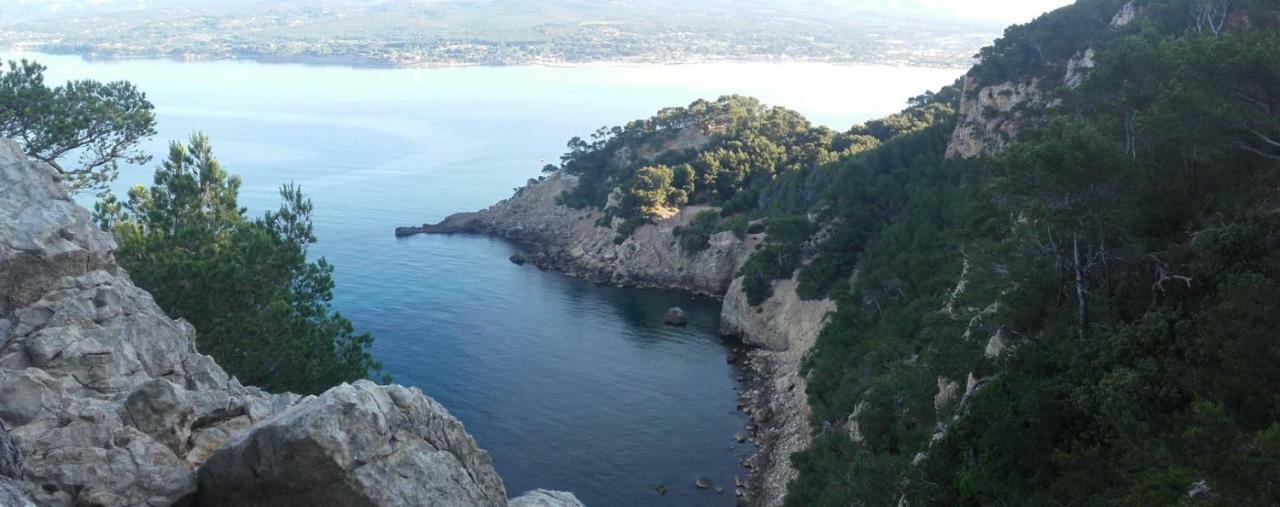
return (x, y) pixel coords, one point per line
(568, 385)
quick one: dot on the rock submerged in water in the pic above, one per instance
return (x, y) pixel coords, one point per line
(518, 259)
(675, 317)
(702, 483)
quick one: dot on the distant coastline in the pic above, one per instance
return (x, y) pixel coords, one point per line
(375, 63)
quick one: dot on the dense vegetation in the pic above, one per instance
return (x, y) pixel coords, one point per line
(1104, 294)
(260, 307)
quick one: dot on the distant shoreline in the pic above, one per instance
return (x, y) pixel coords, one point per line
(361, 62)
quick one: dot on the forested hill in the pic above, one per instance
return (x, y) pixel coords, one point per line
(1057, 281)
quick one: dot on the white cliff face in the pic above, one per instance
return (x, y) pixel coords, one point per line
(784, 322)
(1127, 14)
(570, 240)
(107, 401)
(991, 116)
(1078, 68)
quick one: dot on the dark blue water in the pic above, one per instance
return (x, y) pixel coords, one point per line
(569, 386)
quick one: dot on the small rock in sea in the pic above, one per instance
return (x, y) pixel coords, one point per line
(702, 483)
(750, 427)
(731, 359)
(518, 259)
(675, 317)
(719, 490)
(740, 437)
(661, 489)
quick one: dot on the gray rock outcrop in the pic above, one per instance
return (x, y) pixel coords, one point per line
(106, 400)
(992, 116)
(308, 455)
(105, 397)
(782, 322)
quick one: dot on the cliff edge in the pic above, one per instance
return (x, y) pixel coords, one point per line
(104, 400)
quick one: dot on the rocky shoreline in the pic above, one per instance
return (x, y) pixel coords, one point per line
(781, 330)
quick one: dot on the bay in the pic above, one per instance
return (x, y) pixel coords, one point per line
(568, 385)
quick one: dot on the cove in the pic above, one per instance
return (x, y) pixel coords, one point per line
(568, 385)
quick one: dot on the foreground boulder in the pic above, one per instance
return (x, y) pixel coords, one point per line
(309, 455)
(106, 400)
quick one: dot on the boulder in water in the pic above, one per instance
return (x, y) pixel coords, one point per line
(675, 317)
(518, 259)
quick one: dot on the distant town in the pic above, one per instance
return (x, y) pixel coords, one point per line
(409, 35)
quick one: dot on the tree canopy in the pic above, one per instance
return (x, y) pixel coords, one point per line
(260, 307)
(84, 129)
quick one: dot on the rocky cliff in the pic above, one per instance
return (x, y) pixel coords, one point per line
(993, 113)
(785, 327)
(104, 400)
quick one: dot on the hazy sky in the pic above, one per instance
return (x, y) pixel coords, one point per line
(1004, 11)
(999, 11)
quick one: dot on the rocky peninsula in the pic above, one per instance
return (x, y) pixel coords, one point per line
(782, 329)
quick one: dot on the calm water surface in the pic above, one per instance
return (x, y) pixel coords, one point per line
(569, 386)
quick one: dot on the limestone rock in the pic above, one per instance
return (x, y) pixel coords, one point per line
(1126, 15)
(46, 236)
(12, 494)
(997, 345)
(992, 115)
(947, 392)
(1078, 68)
(545, 498)
(10, 456)
(94, 378)
(852, 426)
(782, 322)
(356, 444)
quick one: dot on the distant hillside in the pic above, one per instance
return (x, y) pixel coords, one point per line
(426, 32)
